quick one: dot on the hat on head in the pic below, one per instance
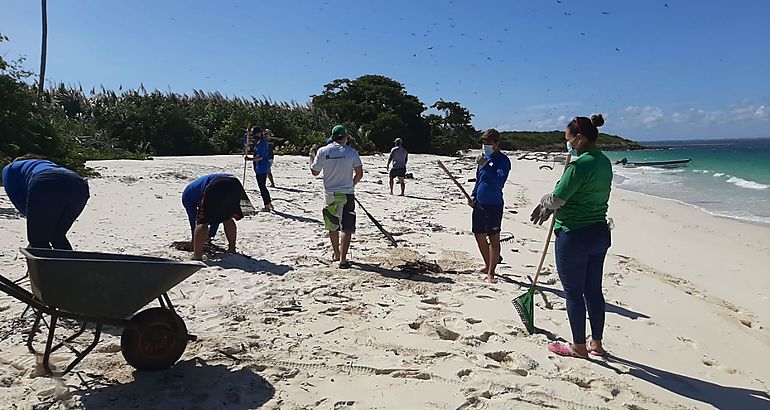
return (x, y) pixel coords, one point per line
(255, 130)
(397, 141)
(491, 136)
(338, 132)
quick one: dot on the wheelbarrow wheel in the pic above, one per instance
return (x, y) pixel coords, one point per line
(157, 342)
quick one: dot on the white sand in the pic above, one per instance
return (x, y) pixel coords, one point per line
(687, 298)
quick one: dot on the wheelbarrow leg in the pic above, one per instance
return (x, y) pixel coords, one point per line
(33, 332)
(84, 353)
(168, 302)
(168, 305)
(48, 343)
(70, 339)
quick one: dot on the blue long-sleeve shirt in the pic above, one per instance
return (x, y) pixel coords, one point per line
(490, 180)
(262, 150)
(191, 199)
(192, 193)
(17, 176)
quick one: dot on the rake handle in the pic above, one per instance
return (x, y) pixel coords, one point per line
(449, 174)
(548, 237)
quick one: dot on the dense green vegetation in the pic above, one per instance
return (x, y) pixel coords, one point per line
(70, 125)
(25, 124)
(554, 141)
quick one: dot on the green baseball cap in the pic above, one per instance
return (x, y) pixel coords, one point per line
(339, 130)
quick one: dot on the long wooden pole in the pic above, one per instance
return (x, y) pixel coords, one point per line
(459, 185)
(43, 49)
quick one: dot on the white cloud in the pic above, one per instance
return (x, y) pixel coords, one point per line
(647, 116)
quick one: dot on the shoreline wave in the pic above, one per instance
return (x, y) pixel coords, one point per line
(753, 220)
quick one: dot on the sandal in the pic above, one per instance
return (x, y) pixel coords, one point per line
(345, 265)
(596, 353)
(565, 350)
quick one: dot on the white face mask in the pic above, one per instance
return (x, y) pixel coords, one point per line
(487, 150)
(571, 150)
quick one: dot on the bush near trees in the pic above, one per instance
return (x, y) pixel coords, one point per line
(25, 124)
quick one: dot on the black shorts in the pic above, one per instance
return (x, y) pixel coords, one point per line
(487, 219)
(397, 172)
(221, 201)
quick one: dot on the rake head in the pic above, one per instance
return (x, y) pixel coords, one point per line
(525, 307)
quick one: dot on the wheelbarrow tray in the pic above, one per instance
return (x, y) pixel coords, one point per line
(102, 285)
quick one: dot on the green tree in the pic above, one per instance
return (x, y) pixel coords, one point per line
(453, 131)
(25, 126)
(379, 105)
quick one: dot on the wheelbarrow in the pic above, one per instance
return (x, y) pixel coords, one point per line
(106, 289)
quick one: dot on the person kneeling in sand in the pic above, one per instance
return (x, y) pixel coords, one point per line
(209, 201)
(339, 162)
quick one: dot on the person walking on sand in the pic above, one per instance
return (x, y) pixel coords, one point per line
(398, 156)
(342, 170)
(50, 196)
(487, 201)
(209, 201)
(261, 165)
(582, 235)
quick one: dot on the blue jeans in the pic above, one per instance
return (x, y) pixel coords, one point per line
(262, 182)
(580, 261)
(55, 198)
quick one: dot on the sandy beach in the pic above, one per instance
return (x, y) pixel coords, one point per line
(280, 327)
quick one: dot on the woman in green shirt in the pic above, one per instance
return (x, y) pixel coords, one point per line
(582, 235)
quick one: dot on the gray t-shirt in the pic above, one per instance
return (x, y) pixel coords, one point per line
(337, 162)
(398, 156)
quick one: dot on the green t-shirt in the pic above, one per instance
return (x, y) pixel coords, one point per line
(585, 186)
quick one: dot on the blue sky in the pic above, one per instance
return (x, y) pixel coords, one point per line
(669, 69)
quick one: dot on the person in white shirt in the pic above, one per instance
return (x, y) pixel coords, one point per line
(342, 170)
(398, 156)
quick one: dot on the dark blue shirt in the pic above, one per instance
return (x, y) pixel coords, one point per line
(17, 176)
(262, 150)
(490, 180)
(194, 192)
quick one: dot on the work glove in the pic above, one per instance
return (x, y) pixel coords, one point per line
(540, 214)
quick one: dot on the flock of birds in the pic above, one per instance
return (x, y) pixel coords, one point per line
(433, 47)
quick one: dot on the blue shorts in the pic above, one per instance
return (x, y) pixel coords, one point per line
(487, 219)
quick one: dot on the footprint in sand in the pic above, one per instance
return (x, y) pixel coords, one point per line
(517, 363)
(687, 341)
(345, 404)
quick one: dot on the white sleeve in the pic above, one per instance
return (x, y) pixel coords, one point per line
(318, 162)
(356, 159)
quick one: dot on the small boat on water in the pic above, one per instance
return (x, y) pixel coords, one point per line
(658, 164)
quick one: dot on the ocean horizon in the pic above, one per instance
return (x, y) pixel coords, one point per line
(726, 177)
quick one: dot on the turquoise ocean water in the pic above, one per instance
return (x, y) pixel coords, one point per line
(729, 178)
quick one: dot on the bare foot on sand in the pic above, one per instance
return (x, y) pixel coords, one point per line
(490, 279)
